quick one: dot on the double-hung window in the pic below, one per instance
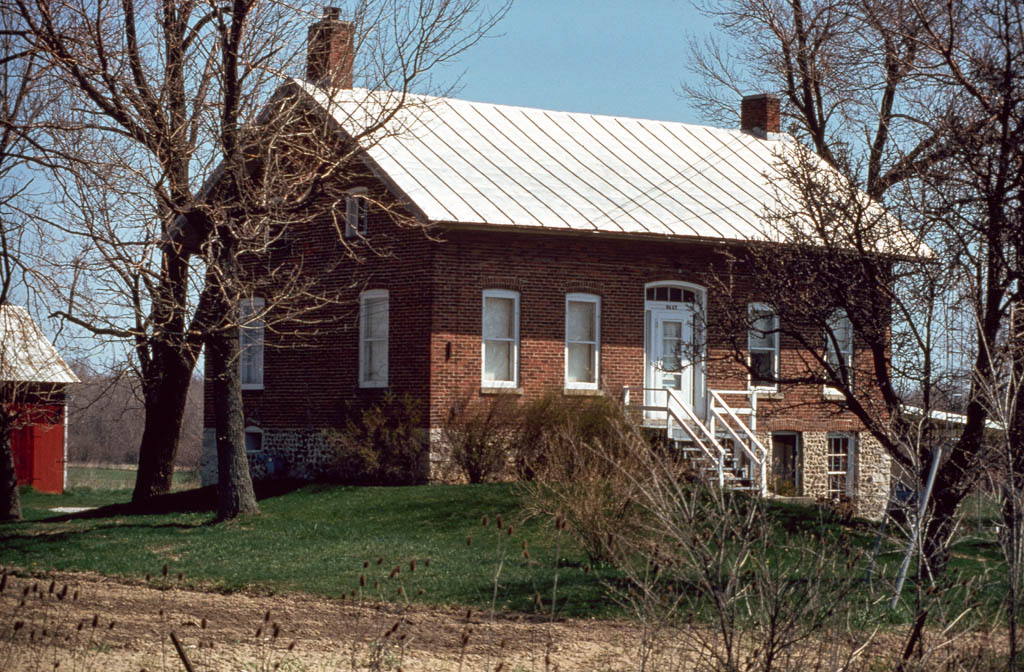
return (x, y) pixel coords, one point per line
(250, 343)
(582, 340)
(500, 338)
(356, 213)
(763, 347)
(840, 460)
(839, 345)
(373, 338)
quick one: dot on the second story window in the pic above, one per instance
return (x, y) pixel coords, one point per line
(356, 212)
(500, 338)
(763, 347)
(582, 340)
(250, 343)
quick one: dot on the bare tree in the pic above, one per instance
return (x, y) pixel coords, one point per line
(918, 104)
(183, 160)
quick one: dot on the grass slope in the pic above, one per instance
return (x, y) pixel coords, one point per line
(317, 539)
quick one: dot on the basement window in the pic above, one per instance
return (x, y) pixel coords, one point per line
(839, 461)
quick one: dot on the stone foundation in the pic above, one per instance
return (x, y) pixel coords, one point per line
(301, 454)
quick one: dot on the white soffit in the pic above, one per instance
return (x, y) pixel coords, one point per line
(25, 353)
(481, 163)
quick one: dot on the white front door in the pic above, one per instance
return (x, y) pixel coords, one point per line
(672, 356)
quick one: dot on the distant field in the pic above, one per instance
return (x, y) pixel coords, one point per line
(120, 477)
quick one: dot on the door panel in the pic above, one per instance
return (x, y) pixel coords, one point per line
(670, 365)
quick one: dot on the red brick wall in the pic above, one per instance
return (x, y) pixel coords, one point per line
(435, 293)
(311, 367)
(545, 267)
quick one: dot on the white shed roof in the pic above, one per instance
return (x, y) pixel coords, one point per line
(25, 353)
(482, 163)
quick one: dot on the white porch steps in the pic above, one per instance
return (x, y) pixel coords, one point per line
(723, 445)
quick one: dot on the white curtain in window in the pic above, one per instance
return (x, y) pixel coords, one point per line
(581, 341)
(499, 317)
(374, 340)
(499, 339)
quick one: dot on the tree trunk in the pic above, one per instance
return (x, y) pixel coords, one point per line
(10, 501)
(165, 409)
(235, 495)
(167, 367)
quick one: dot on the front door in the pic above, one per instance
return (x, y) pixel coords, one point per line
(671, 355)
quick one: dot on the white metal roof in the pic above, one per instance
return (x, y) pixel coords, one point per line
(482, 163)
(25, 353)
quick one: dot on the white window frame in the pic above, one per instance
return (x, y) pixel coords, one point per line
(580, 297)
(835, 350)
(255, 431)
(250, 341)
(364, 338)
(357, 210)
(851, 458)
(762, 310)
(499, 294)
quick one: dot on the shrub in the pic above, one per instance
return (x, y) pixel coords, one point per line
(480, 435)
(580, 457)
(381, 445)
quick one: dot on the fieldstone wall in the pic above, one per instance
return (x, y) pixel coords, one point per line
(815, 466)
(874, 467)
(302, 454)
(870, 472)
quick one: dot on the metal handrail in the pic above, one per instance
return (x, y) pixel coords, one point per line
(716, 396)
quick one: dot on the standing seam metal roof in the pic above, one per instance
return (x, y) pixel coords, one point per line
(483, 163)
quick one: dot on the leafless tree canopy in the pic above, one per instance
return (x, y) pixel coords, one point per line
(180, 147)
(921, 105)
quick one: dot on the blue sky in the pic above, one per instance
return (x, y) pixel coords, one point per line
(602, 56)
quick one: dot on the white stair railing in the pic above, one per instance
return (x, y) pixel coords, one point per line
(743, 433)
(722, 420)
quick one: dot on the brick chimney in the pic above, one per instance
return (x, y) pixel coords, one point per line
(331, 51)
(759, 114)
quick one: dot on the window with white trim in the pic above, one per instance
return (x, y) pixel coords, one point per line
(373, 338)
(253, 439)
(500, 347)
(250, 343)
(839, 344)
(356, 213)
(582, 340)
(763, 347)
(839, 463)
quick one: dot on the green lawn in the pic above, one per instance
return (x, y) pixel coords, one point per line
(318, 538)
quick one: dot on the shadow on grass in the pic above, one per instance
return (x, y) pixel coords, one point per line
(197, 500)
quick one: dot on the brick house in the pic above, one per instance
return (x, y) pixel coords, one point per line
(568, 252)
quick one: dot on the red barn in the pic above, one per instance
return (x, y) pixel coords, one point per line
(35, 379)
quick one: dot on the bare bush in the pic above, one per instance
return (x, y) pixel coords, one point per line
(480, 436)
(382, 444)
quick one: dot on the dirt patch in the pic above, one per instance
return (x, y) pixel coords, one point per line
(90, 622)
(235, 631)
